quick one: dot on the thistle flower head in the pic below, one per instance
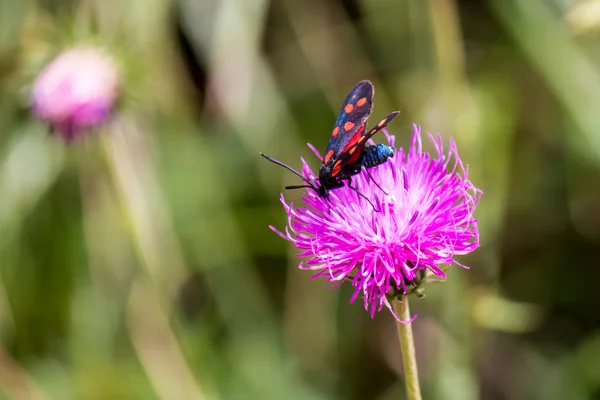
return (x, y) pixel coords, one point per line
(423, 222)
(76, 91)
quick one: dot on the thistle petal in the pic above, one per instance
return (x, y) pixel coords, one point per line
(424, 221)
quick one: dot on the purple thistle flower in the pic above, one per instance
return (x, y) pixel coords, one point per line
(424, 222)
(76, 91)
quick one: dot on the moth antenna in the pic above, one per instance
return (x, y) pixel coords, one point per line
(274, 161)
(300, 187)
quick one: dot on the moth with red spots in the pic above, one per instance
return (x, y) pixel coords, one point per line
(347, 151)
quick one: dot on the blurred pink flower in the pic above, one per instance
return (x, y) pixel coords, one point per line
(424, 221)
(76, 91)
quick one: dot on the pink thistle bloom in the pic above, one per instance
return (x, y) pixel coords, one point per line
(424, 222)
(76, 91)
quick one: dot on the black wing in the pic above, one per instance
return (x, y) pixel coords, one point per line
(351, 153)
(350, 123)
(382, 124)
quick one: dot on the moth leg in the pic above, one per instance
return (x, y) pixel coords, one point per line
(362, 195)
(374, 181)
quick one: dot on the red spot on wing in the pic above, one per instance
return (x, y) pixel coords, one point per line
(361, 102)
(328, 156)
(336, 130)
(355, 139)
(354, 157)
(348, 109)
(337, 167)
(348, 125)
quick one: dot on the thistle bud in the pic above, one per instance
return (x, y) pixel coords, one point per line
(76, 91)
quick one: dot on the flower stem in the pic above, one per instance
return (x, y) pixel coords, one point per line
(407, 347)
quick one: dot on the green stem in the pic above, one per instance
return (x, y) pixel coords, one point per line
(407, 347)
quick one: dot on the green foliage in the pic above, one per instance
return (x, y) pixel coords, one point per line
(137, 263)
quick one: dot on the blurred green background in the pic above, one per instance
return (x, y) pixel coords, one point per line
(137, 263)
